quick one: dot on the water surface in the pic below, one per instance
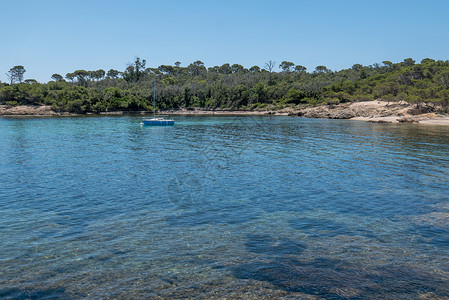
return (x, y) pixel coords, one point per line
(251, 207)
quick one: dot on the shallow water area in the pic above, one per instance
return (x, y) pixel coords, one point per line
(226, 206)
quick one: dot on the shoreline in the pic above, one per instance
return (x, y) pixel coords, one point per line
(369, 111)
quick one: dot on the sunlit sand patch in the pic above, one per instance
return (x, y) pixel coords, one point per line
(442, 206)
(440, 219)
(432, 296)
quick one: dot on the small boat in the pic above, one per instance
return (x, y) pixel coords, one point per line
(157, 120)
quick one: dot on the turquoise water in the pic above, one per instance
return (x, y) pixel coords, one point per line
(215, 207)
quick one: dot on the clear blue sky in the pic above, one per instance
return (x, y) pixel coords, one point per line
(61, 36)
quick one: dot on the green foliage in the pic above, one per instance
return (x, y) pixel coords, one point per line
(22, 94)
(232, 86)
(294, 96)
(169, 80)
(427, 82)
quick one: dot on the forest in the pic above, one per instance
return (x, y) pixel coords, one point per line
(230, 86)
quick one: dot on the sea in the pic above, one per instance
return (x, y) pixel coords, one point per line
(214, 207)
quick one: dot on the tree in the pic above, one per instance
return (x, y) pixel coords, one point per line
(196, 68)
(70, 76)
(15, 74)
(363, 74)
(30, 81)
(321, 69)
(57, 77)
(294, 96)
(98, 74)
(286, 66)
(270, 65)
(427, 60)
(254, 69)
(129, 74)
(165, 69)
(113, 74)
(260, 91)
(178, 63)
(236, 68)
(198, 63)
(225, 69)
(357, 67)
(214, 69)
(81, 76)
(139, 67)
(134, 71)
(299, 69)
(409, 62)
(387, 63)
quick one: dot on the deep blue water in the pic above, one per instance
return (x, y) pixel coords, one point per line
(249, 207)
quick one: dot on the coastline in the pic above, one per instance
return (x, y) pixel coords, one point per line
(370, 111)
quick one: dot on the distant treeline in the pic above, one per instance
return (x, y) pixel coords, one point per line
(230, 86)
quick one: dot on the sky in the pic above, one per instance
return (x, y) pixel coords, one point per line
(61, 36)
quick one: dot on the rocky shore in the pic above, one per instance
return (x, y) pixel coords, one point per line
(371, 111)
(27, 110)
(376, 112)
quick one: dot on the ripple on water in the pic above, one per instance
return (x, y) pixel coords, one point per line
(215, 207)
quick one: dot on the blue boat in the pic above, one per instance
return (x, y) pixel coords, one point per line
(157, 120)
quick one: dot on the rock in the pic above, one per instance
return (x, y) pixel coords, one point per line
(343, 114)
(379, 121)
(420, 110)
(407, 120)
(31, 110)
